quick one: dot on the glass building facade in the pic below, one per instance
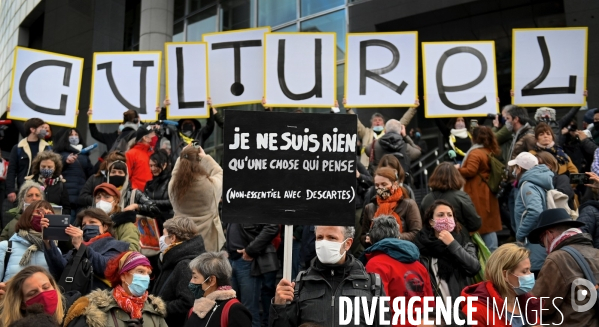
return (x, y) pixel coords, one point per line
(192, 18)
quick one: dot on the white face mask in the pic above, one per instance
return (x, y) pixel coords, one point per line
(162, 243)
(329, 252)
(104, 206)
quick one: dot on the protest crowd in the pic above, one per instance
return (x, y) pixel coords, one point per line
(143, 236)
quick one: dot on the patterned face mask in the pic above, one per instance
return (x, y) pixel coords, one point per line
(46, 172)
(383, 193)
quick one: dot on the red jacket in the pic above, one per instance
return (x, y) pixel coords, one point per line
(400, 279)
(138, 163)
(486, 292)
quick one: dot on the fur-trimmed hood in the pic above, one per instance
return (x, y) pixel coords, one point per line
(96, 306)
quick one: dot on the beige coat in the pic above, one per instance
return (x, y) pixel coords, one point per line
(366, 135)
(200, 203)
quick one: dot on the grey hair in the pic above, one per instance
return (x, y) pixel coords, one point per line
(348, 231)
(383, 227)
(376, 114)
(213, 264)
(393, 126)
(29, 184)
(182, 227)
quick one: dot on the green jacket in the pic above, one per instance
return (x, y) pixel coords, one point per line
(9, 229)
(504, 139)
(99, 309)
(129, 233)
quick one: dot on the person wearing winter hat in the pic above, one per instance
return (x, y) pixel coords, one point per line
(127, 304)
(138, 157)
(533, 181)
(107, 198)
(560, 276)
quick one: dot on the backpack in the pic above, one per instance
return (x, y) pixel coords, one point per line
(496, 175)
(587, 272)
(122, 142)
(78, 274)
(554, 199)
(7, 256)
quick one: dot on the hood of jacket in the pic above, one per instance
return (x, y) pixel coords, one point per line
(19, 239)
(590, 203)
(400, 250)
(187, 250)
(123, 217)
(97, 304)
(539, 175)
(391, 142)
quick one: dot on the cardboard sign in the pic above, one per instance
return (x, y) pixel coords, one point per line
(186, 80)
(236, 66)
(549, 66)
(381, 69)
(122, 81)
(459, 79)
(300, 70)
(45, 85)
(289, 168)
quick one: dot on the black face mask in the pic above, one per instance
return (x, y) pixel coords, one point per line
(117, 181)
(596, 125)
(90, 231)
(187, 129)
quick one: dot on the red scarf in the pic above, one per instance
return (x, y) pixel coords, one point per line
(130, 304)
(387, 206)
(106, 234)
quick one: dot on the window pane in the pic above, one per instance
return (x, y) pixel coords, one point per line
(197, 4)
(204, 22)
(310, 7)
(179, 9)
(236, 14)
(290, 28)
(178, 35)
(276, 12)
(333, 22)
(340, 83)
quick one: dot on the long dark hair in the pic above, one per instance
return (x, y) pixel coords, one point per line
(161, 158)
(63, 145)
(189, 170)
(484, 136)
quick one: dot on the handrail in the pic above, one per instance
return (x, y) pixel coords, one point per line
(436, 161)
(424, 157)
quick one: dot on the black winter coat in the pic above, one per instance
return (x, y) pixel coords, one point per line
(106, 138)
(20, 164)
(75, 174)
(589, 215)
(320, 285)
(56, 194)
(173, 279)
(238, 316)
(157, 191)
(86, 196)
(258, 245)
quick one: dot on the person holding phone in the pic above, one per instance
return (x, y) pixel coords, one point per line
(97, 234)
(26, 244)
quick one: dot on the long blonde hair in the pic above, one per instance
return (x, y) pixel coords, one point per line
(506, 257)
(13, 301)
(189, 170)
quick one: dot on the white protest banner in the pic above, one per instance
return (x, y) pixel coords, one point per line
(45, 85)
(236, 66)
(549, 66)
(186, 80)
(122, 81)
(459, 79)
(381, 69)
(300, 70)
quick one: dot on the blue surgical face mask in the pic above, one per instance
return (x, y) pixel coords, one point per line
(527, 282)
(139, 284)
(121, 127)
(378, 129)
(417, 135)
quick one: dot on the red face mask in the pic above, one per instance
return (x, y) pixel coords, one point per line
(48, 299)
(36, 223)
(154, 141)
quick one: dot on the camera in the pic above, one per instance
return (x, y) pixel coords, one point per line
(4, 123)
(504, 189)
(572, 128)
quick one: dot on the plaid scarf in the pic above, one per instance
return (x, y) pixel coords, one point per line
(556, 151)
(568, 233)
(130, 304)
